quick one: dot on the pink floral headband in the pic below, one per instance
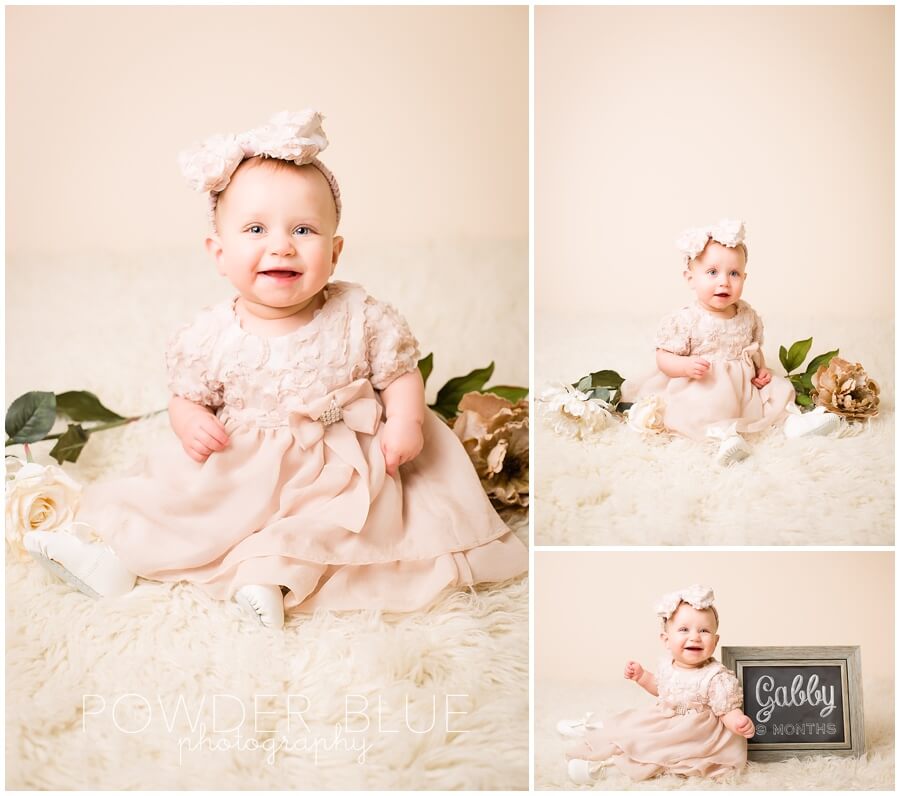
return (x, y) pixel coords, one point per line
(728, 232)
(697, 596)
(297, 137)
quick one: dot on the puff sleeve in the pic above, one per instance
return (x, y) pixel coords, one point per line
(674, 333)
(391, 349)
(757, 326)
(189, 361)
(724, 693)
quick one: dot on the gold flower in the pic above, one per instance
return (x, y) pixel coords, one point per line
(846, 390)
(494, 432)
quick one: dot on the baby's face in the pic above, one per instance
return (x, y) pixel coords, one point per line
(275, 239)
(717, 277)
(690, 636)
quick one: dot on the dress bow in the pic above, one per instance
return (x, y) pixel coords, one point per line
(356, 406)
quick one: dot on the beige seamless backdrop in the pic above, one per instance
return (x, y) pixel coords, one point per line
(593, 611)
(422, 109)
(651, 119)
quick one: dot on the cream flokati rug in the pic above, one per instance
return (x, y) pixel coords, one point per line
(623, 489)
(555, 701)
(156, 690)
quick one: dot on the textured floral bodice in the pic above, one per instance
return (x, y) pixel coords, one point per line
(249, 378)
(710, 686)
(692, 331)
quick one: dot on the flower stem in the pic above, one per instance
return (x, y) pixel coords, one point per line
(28, 453)
(100, 427)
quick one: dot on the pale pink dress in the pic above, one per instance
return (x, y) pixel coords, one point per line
(680, 734)
(298, 499)
(724, 401)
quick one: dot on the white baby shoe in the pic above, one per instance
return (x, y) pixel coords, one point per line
(265, 603)
(819, 421)
(577, 728)
(89, 566)
(732, 450)
(585, 772)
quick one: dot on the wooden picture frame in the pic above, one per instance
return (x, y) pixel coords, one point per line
(803, 700)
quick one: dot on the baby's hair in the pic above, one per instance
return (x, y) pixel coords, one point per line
(742, 246)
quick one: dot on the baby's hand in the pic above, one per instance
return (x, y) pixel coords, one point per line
(740, 724)
(763, 377)
(695, 367)
(633, 670)
(401, 442)
(201, 433)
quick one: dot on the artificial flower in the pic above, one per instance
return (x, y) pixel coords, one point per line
(846, 389)
(494, 432)
(570, 413)
(38, 498)
(646, 415)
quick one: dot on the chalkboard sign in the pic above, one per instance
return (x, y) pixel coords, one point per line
(802, 700)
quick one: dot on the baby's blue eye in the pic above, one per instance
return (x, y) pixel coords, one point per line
(256, 229)
(303, 230)
(712, 272)
(704, 630)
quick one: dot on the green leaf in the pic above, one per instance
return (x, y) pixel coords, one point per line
(30, 417)
(69, 446)
(803, 399)
(797, 354)
(511, 394)
(80, 406)
(449, 396)
(806, 381)
(603, 393)
(782, 355)
(797, 381)
(606, 378)
(426, 365)
(583, 384)
(822, 359)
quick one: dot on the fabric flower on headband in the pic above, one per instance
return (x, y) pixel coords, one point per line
(295, 136)
(697, 596)
(728, 232)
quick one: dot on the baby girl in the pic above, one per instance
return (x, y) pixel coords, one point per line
(712, 379)
(695, 728)
(305, 470)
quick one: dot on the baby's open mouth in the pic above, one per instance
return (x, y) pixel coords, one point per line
(694, 649)
(280, 273)
(722, 295)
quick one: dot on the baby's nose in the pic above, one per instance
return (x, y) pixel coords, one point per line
(281, 245)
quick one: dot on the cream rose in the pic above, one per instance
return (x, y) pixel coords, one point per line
(38, 498)
(647, 415)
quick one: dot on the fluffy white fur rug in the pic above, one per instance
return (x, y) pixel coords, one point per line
(555, 701)
(622, 489)
(103, 324)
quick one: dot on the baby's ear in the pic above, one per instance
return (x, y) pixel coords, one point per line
(337, 246)
(663, 636)
(214, 248)
(687, 274)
